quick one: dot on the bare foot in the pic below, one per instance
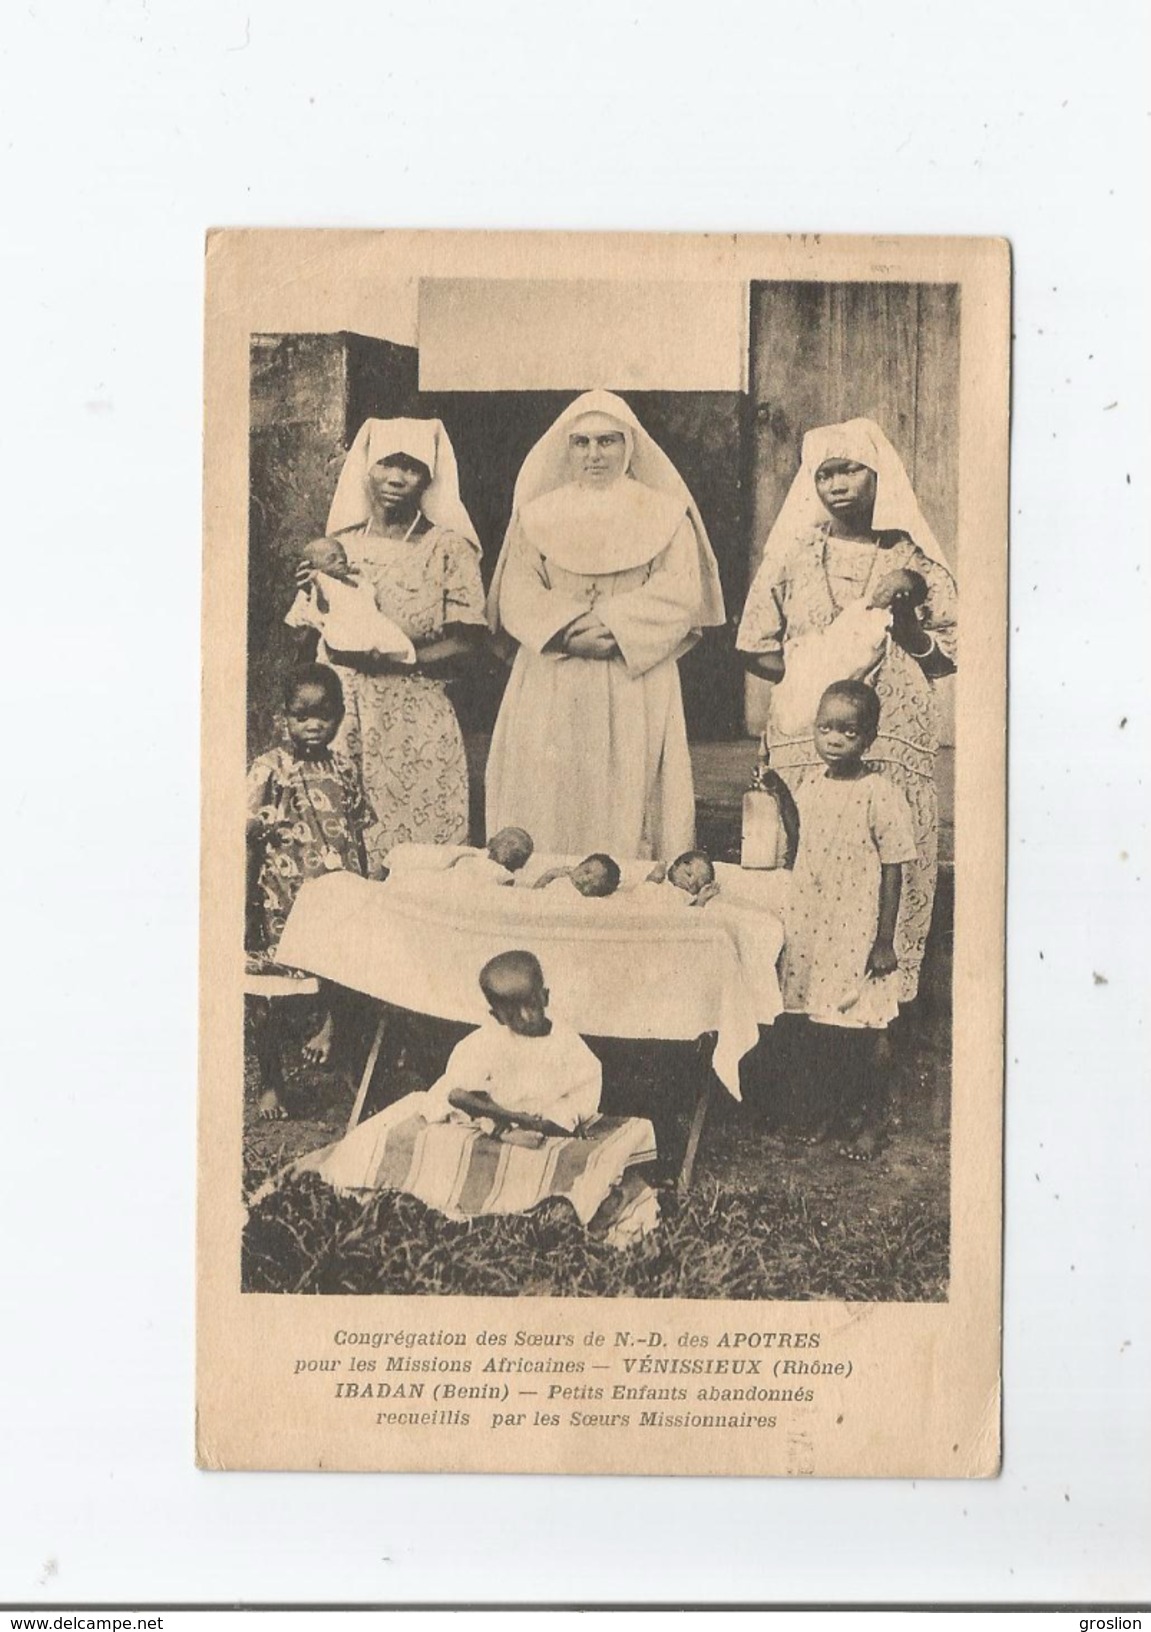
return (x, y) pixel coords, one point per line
(318, 1049)
(864, 1147)
(270, 1107)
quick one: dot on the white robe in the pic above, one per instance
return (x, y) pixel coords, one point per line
(589, 755)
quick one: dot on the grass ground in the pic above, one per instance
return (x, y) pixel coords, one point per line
(765, 1218)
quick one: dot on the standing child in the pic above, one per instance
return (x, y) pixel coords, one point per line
(306, 817)
(839, 962)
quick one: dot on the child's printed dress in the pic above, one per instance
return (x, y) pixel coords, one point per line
(311, 816)
(848, 830)
(823, 576)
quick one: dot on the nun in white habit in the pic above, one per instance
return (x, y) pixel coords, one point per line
(398, 514)
(605, 580)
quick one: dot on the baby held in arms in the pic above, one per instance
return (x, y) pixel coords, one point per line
(332, 601)
(507, 853)
(595, 875)
(849, 648)
(692, 873)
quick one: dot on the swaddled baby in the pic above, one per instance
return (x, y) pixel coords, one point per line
(692, 875)
(507, 853)
(848, 649)
(342, 608)
(596, 875)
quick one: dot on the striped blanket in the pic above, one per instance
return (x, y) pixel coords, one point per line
(464, 1172)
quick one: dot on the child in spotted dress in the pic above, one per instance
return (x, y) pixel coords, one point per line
(306, 817)
(839, 963)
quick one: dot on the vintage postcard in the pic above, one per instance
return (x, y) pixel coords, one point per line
(603, 853)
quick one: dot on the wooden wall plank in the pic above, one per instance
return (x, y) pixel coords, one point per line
(935, 476)
(788, 374)
(873, 372)
(790, 333)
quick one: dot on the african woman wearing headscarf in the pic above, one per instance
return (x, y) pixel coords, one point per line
(851, 536)
(398, 514)
(605, 580)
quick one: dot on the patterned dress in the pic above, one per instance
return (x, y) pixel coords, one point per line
(401, 730)
(310, 816)
(848, 829)
(820, 577)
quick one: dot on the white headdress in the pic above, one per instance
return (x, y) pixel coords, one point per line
(607, 530)
(422, 439)
(896, 508)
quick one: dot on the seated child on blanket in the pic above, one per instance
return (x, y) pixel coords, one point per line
(343, 610)
(520, 1069)
(528, 1081)
(692, 873)
(506, 854)
(595, 875)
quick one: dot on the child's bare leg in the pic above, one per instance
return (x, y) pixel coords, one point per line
(318, 1048)
(269, 1058)
(863, 1131)
(813, 1067)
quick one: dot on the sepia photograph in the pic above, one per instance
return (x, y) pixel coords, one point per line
(603, 873)
(600, 817)
(607, 945)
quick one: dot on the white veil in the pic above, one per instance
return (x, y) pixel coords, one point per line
(422, 439)
(620, 527)
(896, 508)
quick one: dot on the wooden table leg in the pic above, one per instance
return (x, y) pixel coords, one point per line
(704, 1090)
(369, 1070)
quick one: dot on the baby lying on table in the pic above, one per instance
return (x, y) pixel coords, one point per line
(692, 873)
(595, 875)
(507, 853)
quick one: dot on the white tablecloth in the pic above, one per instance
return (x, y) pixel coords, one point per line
(616, 967)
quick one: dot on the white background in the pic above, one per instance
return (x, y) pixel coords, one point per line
(127, 128)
